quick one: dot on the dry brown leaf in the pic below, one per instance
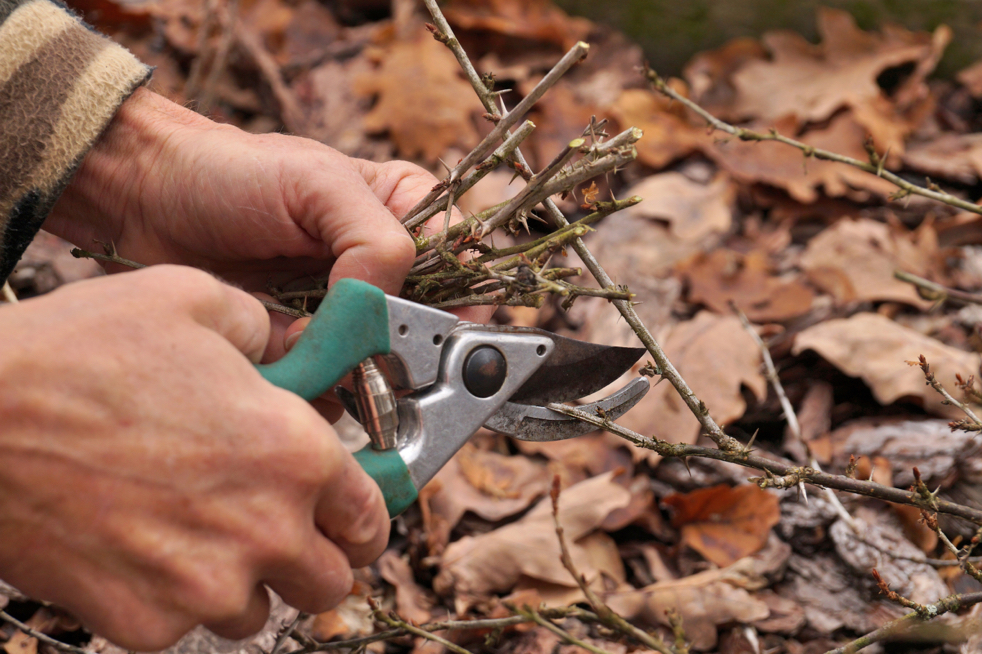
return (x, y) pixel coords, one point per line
(411, 602)
(875, 348)
(559, 117)
(971, 78)
(693, 211)
(725, 276)
(717, 358)
(536, 20)
(492, 485)
(725, 524)
(592, 454)
(812, 82)
(668, 135)
(349, 619)
(854, 261)
(704, 600)
(776, 164)
(476, 566)
(710, 74)
(956, 157)
(422, 101)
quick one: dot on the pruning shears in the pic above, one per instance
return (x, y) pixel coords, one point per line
(459, 376)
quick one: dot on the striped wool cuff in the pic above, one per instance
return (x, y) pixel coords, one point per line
(60, 85)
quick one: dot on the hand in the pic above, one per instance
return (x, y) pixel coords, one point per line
(152, 480)
(167, 185)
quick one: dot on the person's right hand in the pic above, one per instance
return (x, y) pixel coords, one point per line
(151, 480)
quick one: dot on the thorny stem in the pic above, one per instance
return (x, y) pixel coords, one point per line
(41, 638)
(287, 632)
(606, 615)
(535, 617)
(393, 620)
(792, 418)
(79, 253)
(625, 307)
(936, 292)
(875, 168)
(973, 423)
(905, 623)
(779, 474)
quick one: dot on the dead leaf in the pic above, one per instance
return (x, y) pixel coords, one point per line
(422, 102)
(668, 135)
(559, 117)
(592, 454)
(349, 619)
(955, 157)
(704, 600)
(710, 74)
(854, 261)
(476, 566)
(811, 82)
(875, 348)
(971, 79)
(717, 358)
(693, 211)
(725, 524)
(492, 485)
(536, 20)
(411, 602)
(724, 276)
(786, 616)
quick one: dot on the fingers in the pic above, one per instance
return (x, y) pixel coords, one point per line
(321, 581)
(232, 313)
(352, 513)
(252, 619)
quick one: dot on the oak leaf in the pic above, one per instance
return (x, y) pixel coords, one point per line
(422, 102)
(668, 134)
(854, 261)
(477, 566)
(812, 82)
(536, 20)
(875, 348)
(722, 276)
(692, 210)
(725, 524)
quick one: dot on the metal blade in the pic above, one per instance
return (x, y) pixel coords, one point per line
(536, 423)
(575, 369)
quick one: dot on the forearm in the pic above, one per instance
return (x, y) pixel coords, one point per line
(60, 85)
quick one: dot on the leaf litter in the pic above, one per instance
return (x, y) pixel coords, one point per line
(807, 249)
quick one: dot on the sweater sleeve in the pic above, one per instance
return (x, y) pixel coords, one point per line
(60, 85)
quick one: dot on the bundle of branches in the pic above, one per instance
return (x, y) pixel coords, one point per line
(457, 265)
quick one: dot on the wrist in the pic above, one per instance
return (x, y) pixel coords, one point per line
(106, 190)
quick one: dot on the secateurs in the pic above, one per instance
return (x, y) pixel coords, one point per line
(457, 377)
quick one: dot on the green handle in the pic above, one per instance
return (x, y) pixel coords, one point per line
(351, 324)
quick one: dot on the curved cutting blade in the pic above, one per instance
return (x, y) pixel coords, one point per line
(575, 369)
(536, 423)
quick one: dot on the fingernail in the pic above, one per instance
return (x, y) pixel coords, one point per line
(291, 340)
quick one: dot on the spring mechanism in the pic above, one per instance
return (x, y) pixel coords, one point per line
(377, 408)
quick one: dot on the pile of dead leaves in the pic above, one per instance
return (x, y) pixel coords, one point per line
(806, 248)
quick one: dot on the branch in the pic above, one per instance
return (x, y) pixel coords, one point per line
(779, 474)
(112, 257)
(902, 624)
(41, 638)
(972, 423)
(936, 292)
(875, 166)
(606, 615)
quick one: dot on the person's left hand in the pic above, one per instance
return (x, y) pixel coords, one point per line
(166, 185)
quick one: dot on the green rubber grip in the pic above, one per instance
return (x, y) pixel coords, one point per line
(391, 474)
(351, 324)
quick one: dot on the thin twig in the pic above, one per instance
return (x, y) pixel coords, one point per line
(906, 622)
(608, 616)
(287, 631)
(779, 474)
(42, 638)
(973, 423)
(936, 292)
(872, 167)
(8, 293)
(535, 617)
(792, 418)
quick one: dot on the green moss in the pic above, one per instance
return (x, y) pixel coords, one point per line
(671, 31)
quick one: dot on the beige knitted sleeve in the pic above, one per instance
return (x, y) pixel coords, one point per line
(60, 85)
